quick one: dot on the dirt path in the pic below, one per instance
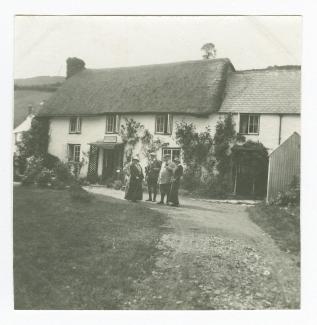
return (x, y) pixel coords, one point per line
(212, 256)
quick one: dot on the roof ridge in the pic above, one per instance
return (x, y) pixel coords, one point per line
(224, 60)
(272, 69)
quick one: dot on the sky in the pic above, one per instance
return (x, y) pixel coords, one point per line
(43, 43)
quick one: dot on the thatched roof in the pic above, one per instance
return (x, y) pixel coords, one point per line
(275, 90)
(194, 87)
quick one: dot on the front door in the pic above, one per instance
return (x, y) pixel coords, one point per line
(109, 158)
(112, 161)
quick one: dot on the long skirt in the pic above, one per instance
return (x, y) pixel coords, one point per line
(173, 195)
(134, 190)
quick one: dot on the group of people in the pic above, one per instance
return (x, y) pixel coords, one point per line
(164, 176)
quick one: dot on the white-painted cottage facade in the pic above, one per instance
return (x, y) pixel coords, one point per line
(86, 113)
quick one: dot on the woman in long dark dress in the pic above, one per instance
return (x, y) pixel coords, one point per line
(178, 173)
(134, 192)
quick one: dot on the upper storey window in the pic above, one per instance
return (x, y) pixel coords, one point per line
(112, 123)
(249, 123)
(75, 125)
(163, 124)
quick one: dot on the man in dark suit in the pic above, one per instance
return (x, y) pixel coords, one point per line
(177, 174)
(152, 171)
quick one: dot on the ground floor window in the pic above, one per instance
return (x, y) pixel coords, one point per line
(74, 152)
(173, 152)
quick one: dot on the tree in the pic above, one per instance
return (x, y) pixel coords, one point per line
(35, 141)
(224, 138)
(209, 50)
(196, 149)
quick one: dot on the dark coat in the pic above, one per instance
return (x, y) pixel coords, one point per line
(134, 191)
(178, 173)
(152, 171)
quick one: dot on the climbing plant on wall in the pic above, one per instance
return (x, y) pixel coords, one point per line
(149, 144)
(196, 150)
(130, 133)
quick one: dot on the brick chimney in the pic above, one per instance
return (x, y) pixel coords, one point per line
(73, 66)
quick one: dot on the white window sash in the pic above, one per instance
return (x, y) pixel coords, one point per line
(78, 125)
(112, 123)
(169, 124)
(253, 121)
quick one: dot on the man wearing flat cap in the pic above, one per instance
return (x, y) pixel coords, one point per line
(165, 178)
(152, 171)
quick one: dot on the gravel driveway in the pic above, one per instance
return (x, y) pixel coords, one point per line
(212, 256)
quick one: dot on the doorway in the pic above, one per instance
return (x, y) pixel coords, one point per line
(112, 162)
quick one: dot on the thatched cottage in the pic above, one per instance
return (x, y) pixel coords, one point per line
(86, 113)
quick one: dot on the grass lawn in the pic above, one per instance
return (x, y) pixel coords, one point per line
(75, 255)
(280, 224)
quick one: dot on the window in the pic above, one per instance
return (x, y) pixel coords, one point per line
(75, 125)
(173, 152)
(163, 124)
(112, 123)
(249, 124)
(74, 152)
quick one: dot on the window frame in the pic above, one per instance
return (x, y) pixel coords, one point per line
(77, 127)
(116, 123)
(73, 158)
(167, 124)
(248, 124)
(171, 149)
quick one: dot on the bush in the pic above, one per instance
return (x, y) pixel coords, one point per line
(291, 197)
(190, 181)
(77, 193)
(117, 185)
(50, 161)
(63, 173)
(34, 166)
(58, 184)
(83, 182)
(44, 178)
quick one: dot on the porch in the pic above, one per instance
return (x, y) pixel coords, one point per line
(105, 161)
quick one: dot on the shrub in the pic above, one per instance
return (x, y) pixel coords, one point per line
(291, 197)
(117, 185)
(190, 181)
(58, 184)
(63, 173)
(77, 193)
(44, 178)
(83, 182)
(34, 166)
(50, 161)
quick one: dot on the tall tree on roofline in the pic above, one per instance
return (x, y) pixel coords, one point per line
(209, 50)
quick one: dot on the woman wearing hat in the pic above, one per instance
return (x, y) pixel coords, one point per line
(177, 174)
(134, 192)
